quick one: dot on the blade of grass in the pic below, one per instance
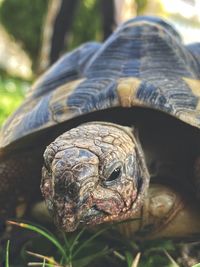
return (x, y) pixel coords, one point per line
(136, 260)
(129, 258)
(76, 240)
(120, 256)
(171, 259)
(72, 246)
(51, 238)
(89, 240)
(84, 261)
(46, 258)
(65, 240)
(67, 246)
(35, 225)
(41, 264)
(7, 253)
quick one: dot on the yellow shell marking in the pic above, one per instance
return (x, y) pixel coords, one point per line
(60, 96)
(195, 87)
(127, 89)
(190, 116)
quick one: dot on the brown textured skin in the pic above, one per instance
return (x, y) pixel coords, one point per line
(78, 165)
(165, 213)
(16, 169)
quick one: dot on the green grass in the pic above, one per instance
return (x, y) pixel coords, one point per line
(12, 91)
(69, 250)
(103, 247)
(7, 254)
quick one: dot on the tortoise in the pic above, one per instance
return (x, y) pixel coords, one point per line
(110, 118)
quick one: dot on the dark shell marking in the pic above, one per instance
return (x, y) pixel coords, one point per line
(143, 63)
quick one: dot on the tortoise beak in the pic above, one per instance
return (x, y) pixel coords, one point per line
(70, 221)
(93, 215)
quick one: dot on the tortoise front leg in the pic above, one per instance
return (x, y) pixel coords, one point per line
(165, 213)
(10, 186)
(19, 183)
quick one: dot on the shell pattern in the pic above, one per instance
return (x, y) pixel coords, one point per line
(143, 63)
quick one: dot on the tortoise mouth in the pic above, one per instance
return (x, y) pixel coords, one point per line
(93, 212)
(93, 216)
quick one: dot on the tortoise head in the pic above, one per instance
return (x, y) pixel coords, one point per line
(92, 174)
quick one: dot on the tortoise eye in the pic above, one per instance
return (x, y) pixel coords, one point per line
(114, 175)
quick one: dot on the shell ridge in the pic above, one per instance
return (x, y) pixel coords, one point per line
(143, 63)
(69, 67)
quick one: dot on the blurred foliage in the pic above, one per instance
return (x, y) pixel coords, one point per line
(25, 26)
(23, 20)
(27, 19)
(87, 23)
(141, 4)
(12, 91)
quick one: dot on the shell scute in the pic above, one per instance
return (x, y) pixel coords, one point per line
(143, 63)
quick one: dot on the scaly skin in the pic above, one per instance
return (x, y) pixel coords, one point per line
(81, 186)
(19, 182)
(94, 173)
(165, 213)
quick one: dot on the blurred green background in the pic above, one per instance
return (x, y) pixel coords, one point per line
(22, 24)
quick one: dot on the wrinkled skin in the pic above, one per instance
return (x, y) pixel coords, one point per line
(94, 173)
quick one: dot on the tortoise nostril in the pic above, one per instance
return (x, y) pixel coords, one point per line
(67, 189)
(60, 188)
(73, 190)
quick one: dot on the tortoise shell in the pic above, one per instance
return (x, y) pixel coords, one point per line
(143, 63)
